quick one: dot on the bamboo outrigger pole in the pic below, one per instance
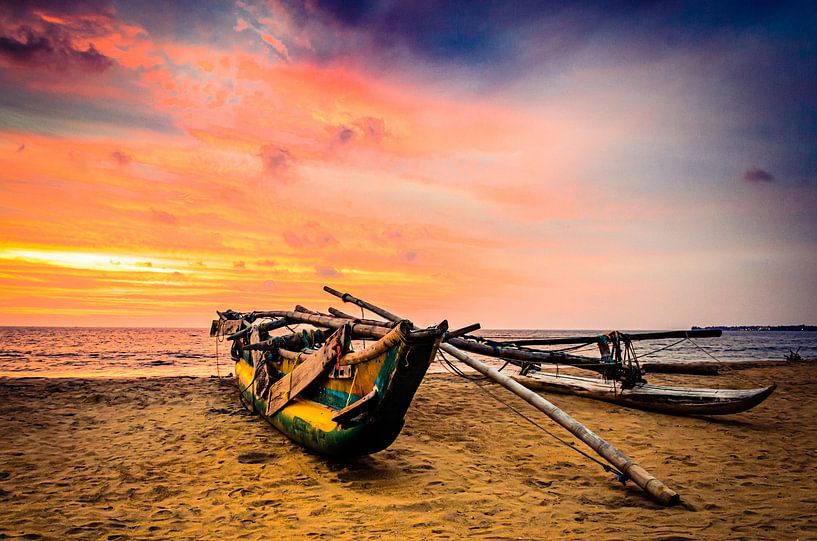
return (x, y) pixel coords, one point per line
(626, 465)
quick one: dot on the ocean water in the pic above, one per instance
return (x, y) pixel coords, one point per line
(118, 352)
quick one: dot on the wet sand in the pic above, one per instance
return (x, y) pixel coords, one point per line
(180, 458)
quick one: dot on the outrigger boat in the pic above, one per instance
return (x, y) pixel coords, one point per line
(312, 387)
(621, 381)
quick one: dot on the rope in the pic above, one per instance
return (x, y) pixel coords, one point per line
(721, 363)
(363, 316)
(665, 347)
(219, 338)
(475, 380)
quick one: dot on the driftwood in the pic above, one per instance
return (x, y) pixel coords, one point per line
(655, 488)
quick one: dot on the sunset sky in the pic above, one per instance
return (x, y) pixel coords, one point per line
(524, 164)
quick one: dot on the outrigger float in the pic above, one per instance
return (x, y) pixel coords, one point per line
(622, 377)
(314, 388)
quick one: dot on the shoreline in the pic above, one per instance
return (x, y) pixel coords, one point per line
(178, 457)
(727, 365)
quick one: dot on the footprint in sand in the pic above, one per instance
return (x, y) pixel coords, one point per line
(255, 457)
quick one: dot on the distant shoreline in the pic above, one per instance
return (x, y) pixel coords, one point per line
(763, 328)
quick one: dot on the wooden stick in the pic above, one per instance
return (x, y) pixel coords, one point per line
(375, 322)
(652, 486)
(662, 335)
(330, 322)
(463, 331)
(528, 355)
(266, 326)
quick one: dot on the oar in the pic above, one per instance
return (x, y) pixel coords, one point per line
(626, 465)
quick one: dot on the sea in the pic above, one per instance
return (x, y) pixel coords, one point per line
(149, 352)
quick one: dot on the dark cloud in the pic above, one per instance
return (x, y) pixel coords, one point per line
(60, 7)
(266, 263)
(51, 48)
(757, 175)
(239, 265)
(345, 134)
(21, 148)
(410, 255)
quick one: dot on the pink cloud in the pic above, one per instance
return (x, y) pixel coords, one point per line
(121, 158)
(311, 235)
(326, 271)
(277, 160)
(276, 44)
(163, 217)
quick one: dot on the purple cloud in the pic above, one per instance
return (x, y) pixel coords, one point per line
(345, 134)
(373, 127)
(311, 235)
(326, 272)
(276, 159)
(51, 48)
(121, 158)
(757, 175)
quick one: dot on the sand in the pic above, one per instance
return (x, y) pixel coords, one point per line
(180, 458)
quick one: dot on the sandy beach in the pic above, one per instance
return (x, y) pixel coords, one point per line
(180, 458)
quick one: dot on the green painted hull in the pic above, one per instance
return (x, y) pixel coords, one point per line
(400, 371)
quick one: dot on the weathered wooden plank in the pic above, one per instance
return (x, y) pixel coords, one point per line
(356, 408)
(312, 367)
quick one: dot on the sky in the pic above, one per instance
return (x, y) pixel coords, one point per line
(583, 165)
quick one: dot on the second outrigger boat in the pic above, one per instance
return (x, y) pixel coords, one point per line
(621, 380)
(647, 396)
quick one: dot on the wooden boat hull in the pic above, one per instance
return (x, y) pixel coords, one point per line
(394, 374)
(674, 400)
